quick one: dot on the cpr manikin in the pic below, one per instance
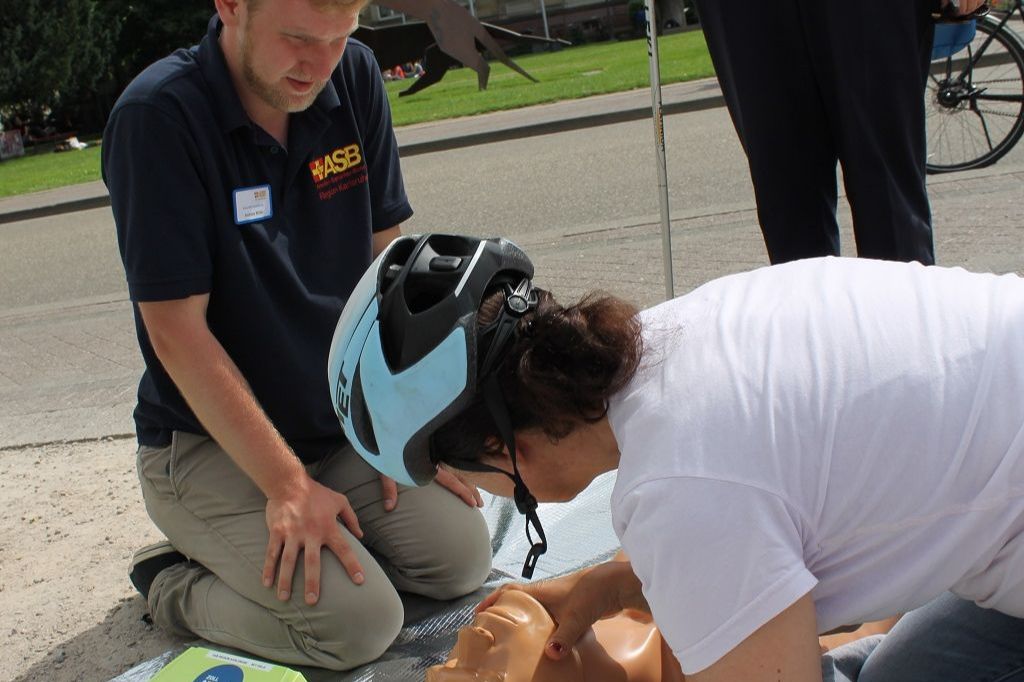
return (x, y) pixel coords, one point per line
(505, 643)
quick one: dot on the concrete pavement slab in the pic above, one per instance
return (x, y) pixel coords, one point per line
(49, 202)
(544, 119)
(67, 372)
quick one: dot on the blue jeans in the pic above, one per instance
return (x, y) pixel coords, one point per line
(948, 640)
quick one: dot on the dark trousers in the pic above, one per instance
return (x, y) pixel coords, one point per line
(812, 82)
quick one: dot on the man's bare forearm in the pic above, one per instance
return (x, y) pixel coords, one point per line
(221, 399)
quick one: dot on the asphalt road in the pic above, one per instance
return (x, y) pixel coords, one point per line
(538, 191)
(584, 204)
(559, 184)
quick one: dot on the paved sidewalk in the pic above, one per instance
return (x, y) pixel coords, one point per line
(437, 136)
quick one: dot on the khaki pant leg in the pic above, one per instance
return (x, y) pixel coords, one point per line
(212, 512)
(432, 544)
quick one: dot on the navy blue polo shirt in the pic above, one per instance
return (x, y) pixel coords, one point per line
(205, 201)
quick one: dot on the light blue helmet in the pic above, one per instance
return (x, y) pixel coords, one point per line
(406, 356)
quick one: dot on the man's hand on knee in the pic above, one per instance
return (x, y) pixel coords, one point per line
(307, 521)
(457, 485)
(447, 478)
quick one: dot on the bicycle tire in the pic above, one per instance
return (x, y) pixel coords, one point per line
(965, 129)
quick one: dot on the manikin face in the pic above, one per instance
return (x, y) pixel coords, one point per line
(289, 48)
(505, 643)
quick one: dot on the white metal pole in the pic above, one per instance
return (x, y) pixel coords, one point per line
(472, 8)
(659, 146)
(544, 15)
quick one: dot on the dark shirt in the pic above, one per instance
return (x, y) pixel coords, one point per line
(182, 160)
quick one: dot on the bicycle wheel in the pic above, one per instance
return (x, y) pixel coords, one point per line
(974, 101)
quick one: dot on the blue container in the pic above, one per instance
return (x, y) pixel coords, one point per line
(951, 38)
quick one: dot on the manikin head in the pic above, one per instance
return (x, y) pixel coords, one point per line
(505, 643)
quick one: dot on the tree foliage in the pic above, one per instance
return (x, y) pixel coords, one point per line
(50, 48)
(152, 29)
(70, 59)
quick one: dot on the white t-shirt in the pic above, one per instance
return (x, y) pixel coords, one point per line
(844, 427)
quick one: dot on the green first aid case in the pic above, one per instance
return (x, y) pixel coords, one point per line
(199, 664)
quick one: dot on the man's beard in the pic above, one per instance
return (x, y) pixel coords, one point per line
(273, 96)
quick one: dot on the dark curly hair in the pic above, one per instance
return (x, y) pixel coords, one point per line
(559, 373)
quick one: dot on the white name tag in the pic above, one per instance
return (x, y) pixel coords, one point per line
(252, 204)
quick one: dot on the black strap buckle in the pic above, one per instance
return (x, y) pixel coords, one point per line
(536, 548)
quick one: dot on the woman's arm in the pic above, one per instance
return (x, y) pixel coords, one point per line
(785, 649)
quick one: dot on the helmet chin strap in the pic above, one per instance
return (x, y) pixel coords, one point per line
(526, 503)
(518, 301)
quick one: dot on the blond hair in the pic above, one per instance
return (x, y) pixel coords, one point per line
(320, 4)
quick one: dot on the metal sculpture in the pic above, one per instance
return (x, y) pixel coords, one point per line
(449, 36)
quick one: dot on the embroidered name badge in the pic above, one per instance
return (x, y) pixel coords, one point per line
(252, 204)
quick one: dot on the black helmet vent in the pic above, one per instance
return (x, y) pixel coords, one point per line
(361, 416)
(440, 286)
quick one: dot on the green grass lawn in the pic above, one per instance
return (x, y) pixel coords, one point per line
(569, 73)
(44, 169)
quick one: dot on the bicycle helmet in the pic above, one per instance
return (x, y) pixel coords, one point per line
(407, 355)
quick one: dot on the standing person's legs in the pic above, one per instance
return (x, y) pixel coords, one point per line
(432, 544)
(873, 67)
(761, 58)
(212, 512)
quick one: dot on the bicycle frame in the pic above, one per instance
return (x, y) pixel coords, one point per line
(974, 59)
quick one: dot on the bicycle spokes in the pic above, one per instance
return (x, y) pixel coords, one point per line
(974, 100)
